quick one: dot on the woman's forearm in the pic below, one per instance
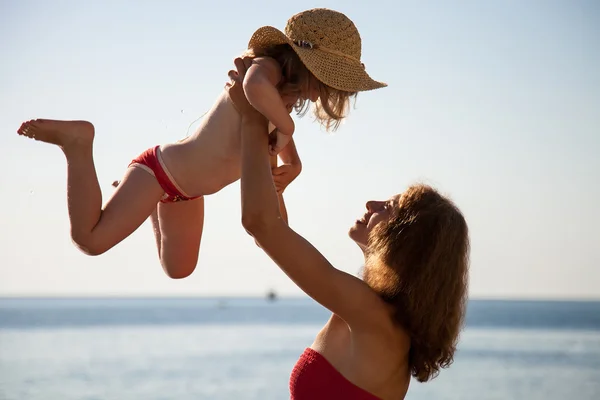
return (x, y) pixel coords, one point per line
(260, 204)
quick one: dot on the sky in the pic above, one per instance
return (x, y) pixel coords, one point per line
(496, 104)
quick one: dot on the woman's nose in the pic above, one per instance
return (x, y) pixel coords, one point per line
(373, 205)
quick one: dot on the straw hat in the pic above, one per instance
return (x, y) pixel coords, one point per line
(328, 43)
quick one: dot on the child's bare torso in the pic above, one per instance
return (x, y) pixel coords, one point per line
(210, 159)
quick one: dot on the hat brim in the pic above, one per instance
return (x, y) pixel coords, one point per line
(332, 69)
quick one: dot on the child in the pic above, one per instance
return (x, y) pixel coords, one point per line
(317, 59)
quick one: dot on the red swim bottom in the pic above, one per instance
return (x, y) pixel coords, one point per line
(151, 162)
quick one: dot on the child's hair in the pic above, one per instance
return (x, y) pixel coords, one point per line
(332, 105)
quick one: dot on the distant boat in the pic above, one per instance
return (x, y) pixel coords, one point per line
(271, 295)
(221, 304)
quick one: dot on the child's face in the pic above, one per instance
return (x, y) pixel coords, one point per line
(312, 91)
(289, 101)
(313, 94)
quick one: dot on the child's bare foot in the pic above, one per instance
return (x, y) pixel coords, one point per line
(61, 133)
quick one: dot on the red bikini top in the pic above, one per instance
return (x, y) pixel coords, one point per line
(314, 378)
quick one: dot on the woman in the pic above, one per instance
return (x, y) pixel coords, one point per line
(402, 318)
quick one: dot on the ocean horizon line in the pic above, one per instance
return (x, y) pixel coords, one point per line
(125, 296)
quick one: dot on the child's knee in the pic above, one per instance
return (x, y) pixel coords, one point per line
(87, 244)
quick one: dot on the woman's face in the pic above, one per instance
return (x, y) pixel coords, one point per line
(377, 211)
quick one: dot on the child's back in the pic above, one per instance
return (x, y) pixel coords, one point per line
(208, 160)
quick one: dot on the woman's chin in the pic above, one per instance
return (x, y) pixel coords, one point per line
(358, 233)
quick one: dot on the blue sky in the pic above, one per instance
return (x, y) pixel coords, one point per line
(495, 103)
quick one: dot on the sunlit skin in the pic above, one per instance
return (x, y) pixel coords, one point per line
(377, 211)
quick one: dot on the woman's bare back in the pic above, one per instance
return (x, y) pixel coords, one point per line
(376, 362)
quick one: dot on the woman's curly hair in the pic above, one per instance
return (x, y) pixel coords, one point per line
(418, 262)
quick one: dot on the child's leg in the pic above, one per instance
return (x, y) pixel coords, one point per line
(156, 228)
(130, 205)
(178, 229)
(182, 243)
(93, 229)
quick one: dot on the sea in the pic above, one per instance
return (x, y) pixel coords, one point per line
(245, 348)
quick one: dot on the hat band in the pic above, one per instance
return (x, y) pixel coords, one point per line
(305, 44)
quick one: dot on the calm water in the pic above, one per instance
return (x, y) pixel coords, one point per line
(227, 349)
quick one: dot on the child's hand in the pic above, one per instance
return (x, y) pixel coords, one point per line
(280, 143)
(284, 175)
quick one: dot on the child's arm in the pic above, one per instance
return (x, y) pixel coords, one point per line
(285, 174)
(289, 155)
(282, 207)
(260, 87)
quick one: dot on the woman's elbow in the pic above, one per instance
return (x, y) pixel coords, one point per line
(260, 226)
(252, 222)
